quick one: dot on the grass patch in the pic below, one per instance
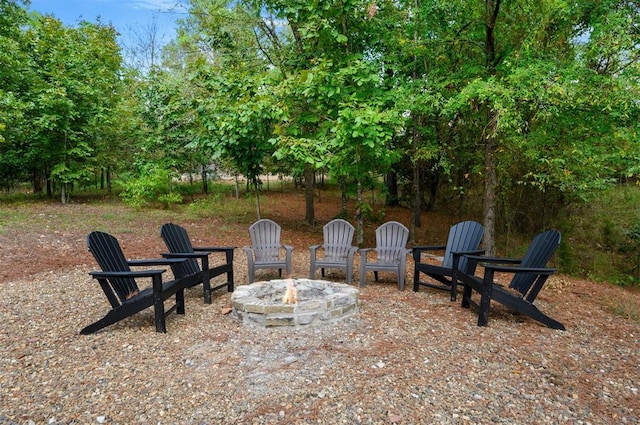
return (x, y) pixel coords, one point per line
(603, 237)
(626, 307)
(241, 210)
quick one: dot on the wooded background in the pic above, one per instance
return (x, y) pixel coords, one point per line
(529, 106)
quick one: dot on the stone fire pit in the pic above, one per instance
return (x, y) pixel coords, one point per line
(318, 302)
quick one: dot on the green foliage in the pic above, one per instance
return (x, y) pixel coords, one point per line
(355, 88)
(236, 113)
(221, 204)
(372, 215)
(604, 237)
(149, 189)
(59, 87)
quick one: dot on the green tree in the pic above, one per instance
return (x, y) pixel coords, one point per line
(76, 85)
(531, 81)
(16, 75)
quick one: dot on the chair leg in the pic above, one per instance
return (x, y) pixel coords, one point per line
(401, 276)
(230, 281)
(109, 319)
(485, 298)
(229, 258)
(533, 312)
(251, 273)
(180, 302)
(312, 265)
(158, 313)
(466, 297)
(454, 285)
(206, 281)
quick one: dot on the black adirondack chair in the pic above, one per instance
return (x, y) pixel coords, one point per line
(179, 245)
(464, 238)
(118, 281)
(529, 276)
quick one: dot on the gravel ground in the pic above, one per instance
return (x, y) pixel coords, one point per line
(406, 358)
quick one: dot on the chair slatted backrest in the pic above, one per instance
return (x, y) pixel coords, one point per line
(109, 256)
(463, 237)
(177, 240)
(265, 239)
(538, 255)
(391, 242)
(338, 238)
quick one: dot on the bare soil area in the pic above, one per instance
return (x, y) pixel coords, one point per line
(406, 358)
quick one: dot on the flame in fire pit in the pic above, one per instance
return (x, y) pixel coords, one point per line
(291, 295)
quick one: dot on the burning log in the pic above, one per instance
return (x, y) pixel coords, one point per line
(291, 294)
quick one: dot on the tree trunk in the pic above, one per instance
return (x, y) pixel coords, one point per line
(343, 197)
(63, 193)
(48, 182)
(255, 186)
(492, 9)
(37, 181)
(433, 183)
(416, 222)
(359, 222)
(490, 185)
(415, 189)
(205, 182)
(309, 193)
(391, 181)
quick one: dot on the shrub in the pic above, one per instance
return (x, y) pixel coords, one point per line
(151, 188)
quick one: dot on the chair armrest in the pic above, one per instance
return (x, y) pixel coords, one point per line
(420, 248)
(478, 252)
(214, 248)
(157, 262)
(185, 254)
(363, 254)
(483, 259)
(472, 260)
(134, 274)
(249, 251)
(288, 248)
(507, 269)
(351, 253)
(314, 248)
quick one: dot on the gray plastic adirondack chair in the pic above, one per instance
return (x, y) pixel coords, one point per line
(464, 238)
(391, 253)
(265, 249)
(337, 248)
